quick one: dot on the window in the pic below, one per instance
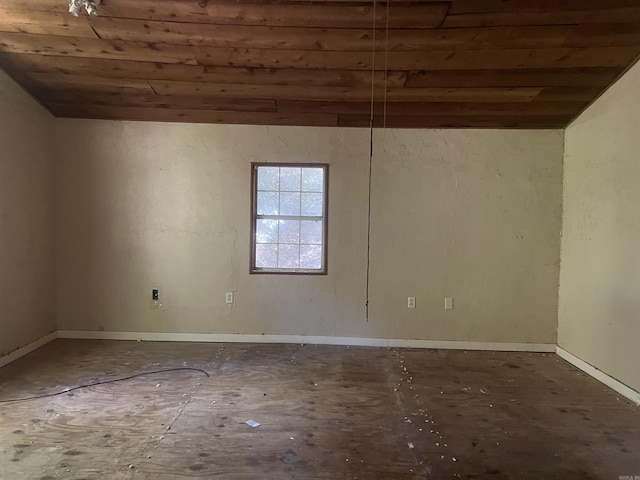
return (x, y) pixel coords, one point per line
(289, 218)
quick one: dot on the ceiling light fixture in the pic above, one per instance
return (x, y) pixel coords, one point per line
(90, 6)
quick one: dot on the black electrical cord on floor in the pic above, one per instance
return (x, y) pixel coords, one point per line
(104, 382)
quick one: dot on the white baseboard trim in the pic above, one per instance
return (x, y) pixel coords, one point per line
(599, 375)
(320, 340)
(22, 351)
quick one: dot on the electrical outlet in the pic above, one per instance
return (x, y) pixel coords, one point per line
(411, 302)
(228, 298)
(448, 303)
(155, 298)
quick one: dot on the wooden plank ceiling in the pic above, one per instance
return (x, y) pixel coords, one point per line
(440, 63)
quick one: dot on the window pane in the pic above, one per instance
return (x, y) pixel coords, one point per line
(268, 178)
(267, 231)
(288, 256)
(311, 232)
(310, 256)
(266, 256)
(289, 231)
(267, 203)
(289, 179)
(311, 204)
(312, 180)
(289, 204)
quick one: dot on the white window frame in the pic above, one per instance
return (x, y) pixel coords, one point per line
(255, 217)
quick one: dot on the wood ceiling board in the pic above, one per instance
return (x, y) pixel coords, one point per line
(260, 118)
(429, 60)
(331, 39)
(157, 71)
(81, 97)
(296, 14)
(605, 35)
(620, 15)
(196, 116)
(482, 94)
(43, 23)
(41, 92)
(92, 48)
(562, 77)
(445, 121)
(310, 78)
(42, 82)
(539, 6)
(231, 36)
(303, 92)
(106, 67)
(568, 94)
(434, 108)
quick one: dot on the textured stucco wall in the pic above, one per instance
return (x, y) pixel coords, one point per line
(27, 219)
(599, 313)
(470, 214)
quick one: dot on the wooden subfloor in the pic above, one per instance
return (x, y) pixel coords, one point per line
(325, 412)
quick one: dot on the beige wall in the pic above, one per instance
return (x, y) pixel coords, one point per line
(470, 214)
(27, 255)
(599, 313)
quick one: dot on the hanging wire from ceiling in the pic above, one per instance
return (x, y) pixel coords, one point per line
(373, 78)
(371, 122)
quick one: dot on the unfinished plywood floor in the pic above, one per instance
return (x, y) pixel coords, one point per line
(326, 412)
